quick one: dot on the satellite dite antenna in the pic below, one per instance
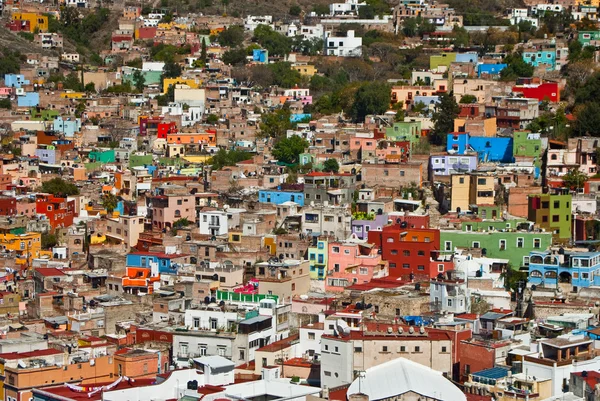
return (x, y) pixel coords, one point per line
(342, 328)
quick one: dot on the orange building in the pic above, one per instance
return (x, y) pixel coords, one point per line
(187, 138)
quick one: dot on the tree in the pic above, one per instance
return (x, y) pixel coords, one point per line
(234, 56)
(574, 179)
(409, 27)
(228, 158)
(288, 150)
(212, 119)
(588, 119)
(59, 188)
(321, 9)
(370, 98)
(295, 10)
(139, 80)
(232, 36)
(90, 87)
(203, 52)
(275, 124)
(109, 202)
(331, 165)
(443, 117)
(468, 99)
(461, 36)
(171, 70)
(516, 67)
(5, 104)
(49, 241)
(276, 43)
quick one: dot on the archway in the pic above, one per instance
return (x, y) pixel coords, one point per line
(564, 277)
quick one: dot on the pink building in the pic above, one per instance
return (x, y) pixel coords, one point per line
(353, 263)
(26, 208)
(171, 204)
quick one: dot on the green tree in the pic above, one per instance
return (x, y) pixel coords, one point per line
(288, 150)
(275, 43)
(228, 158)
(574, 179)
(516, 67)
(49, 241)
(370, 98)
(295, 10)
(203, 52)
(275, 124)
(468, 99)
(139, 80)
(461, 36)
(409, 27)
(109, 202)
(5, 104)
(443, 118)
(232, 36)
(59, 188)
(171, 70)
(90, 87)
(212, 119)
(588, 120)
(284, 75)
(331, 165)
(235, 56)
(321, 9)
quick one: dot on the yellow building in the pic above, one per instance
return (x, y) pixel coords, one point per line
(482, 190)
(26, 246)
(36, 21)
(191, 82)
(590, 3)
(305, 69)
(461, 188)
(72, 95)
(476, 126)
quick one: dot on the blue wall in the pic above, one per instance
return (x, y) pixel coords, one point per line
(164, 264)
(488, 148)
(490, 69)
(30, 99)
(279, 197)
(15, 80)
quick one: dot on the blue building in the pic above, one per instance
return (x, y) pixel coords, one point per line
(15, 80)
(452, 164)
(489, 149)
(260, 55)
(67, 127)
(470, 57)
(541, 58)
(491, 70)
(578, 268)
(298, 118)
(278, 197)
(29, 99)
(48, 155)
(161, 261)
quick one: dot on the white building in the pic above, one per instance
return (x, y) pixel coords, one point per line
(311, 31)
(252, 21)
(343, 46)
(327, 220)
(210, 319)
(450, 293)
(213, 222)
(349, 7)
(403, 379)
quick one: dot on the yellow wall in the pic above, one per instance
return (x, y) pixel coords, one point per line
(185, 81)
(22, 244)
(36, 20)
(72, 95)
(308, 70)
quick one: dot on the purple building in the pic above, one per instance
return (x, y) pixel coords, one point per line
(362, 227)
(452, 164)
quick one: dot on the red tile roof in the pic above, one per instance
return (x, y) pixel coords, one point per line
(30, 354)
(160, 254)
(49, 271)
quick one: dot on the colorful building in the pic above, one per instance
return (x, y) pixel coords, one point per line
(26, 246)
(553, 213)
(277, 197)
(497, 149)
(578, 269)
(404, 131)
(586, 37)
(59, 211)
(317, 257)
(541, 58)
(547, 91)
(512, 245)
(409, 251)
(37, 22)
(352, 263)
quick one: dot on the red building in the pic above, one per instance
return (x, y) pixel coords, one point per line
(165, 128)
(410, 251)
(19, 26)
(147, 32)
(476, 355)
(8, 206)
(470, 110)
(59, 211)
(546, 91)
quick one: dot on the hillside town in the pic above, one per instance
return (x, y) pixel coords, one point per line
(301, 200)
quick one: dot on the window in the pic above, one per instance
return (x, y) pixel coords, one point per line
(555, 218)
(440, 268)
(358, 349)
(544, 219)
(420, 267)
(335, 249)
(444, 349)
(447, 245)
(481, 181)
(196, 322)
(502, 244)
(406, 266)
(417, 349)
(311, 336)
(461, 180)
(421, 253)
(520, 242)
(449, 302)
(327, 373)
(556, 204)
(476, 244)
(384, 348)
(402, 348)
(406, 253)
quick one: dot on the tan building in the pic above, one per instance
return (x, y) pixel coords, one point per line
(286, 279)
(460, 192)
(482, 190)
(392, 176)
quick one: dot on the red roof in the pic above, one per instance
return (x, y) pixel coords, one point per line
(467, 316)
(49, 271)
(30, 354)
(279, 345)
(160, 254)
(68, 394)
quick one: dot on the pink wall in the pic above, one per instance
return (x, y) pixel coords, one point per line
(356, 258)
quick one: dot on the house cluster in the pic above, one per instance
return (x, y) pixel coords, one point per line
(159, 241)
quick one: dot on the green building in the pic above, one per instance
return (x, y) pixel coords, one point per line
(491, 225)
(585, 37)
(529, 145)
(306, 158)
(150, 77)
(404, 131)
(512, 245)
(44, 114)
(444, 59)
(317, 257)
(553, 213)
(102, 155)
(140, 160)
